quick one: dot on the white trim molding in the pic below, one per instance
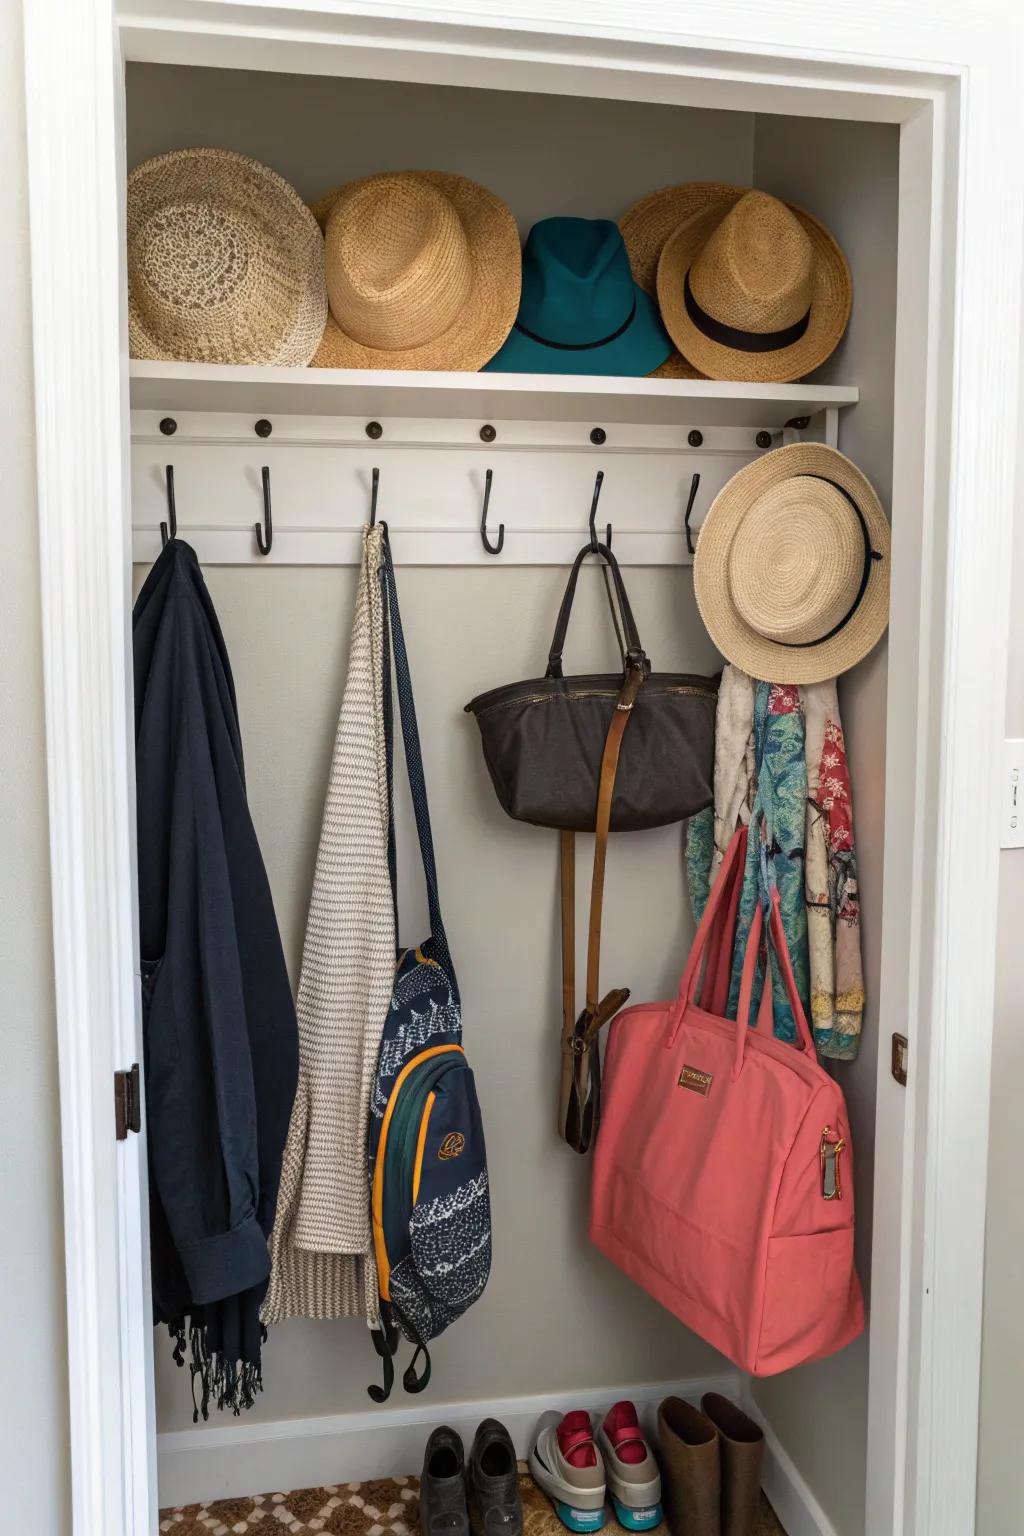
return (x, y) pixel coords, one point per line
(943, 70)
(786, 1488)
(76, 171)
(223, 1461)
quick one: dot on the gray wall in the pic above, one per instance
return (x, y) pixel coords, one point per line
(543, 154)
(1001, 1428)
(34, 1471)
(847, 175)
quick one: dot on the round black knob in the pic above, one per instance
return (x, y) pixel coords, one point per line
(487, 433)
(598, 435)
(374, 430)
(763, 439)
(263, 427)
(695, 438)
(168, 426)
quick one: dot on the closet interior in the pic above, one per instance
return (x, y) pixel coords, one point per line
(557, 1319)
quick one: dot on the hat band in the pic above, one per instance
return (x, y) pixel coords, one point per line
(741, 341)
(869, 556)
(579, 346)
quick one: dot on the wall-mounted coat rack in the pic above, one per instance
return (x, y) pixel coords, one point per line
(656, 477)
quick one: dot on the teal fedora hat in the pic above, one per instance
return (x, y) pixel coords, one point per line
(580, 310)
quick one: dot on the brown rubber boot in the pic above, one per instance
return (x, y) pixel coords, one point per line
(742, 1452)
(691, 1472)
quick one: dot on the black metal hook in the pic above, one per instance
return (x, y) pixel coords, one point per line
(374, 487)
(169, 530)
(689, 508)
(263, 544)
(593, 514)
(492, 549)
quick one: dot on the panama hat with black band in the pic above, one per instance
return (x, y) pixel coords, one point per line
(791, 573)
(753, 289)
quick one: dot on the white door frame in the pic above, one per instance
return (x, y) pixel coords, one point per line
(949, 74)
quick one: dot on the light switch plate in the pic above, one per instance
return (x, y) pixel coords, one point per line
(1012, 820)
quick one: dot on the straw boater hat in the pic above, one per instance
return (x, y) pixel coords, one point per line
(754, 289)
(225, 262)
(423, 271)
(792, 566)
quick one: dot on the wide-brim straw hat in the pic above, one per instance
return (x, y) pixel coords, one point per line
(647, 226)
(754, 289)
(792, 566)
(225, 262)
(423, 271)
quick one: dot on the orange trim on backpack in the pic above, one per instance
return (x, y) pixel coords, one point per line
(421, 1146)
(377, 1207)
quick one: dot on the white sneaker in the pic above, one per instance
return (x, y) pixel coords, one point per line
(567, 1464)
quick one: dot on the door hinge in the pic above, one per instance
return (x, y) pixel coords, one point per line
(900, 1052)
(127, 1102)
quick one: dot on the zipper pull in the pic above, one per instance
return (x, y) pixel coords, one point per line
(831, 1187)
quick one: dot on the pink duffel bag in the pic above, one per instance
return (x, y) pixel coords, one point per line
(723, 1177)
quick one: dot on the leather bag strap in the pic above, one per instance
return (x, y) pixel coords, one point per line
(580, 1087)
(633, 648)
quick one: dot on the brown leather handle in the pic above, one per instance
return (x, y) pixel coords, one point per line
(580, 1089)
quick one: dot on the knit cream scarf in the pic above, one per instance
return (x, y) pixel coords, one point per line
(321, 1246)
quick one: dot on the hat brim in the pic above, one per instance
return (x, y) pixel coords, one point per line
(647, 226)
(643, 346)
(831, 300)
(285, 327)
(737, 641)
(491, 305)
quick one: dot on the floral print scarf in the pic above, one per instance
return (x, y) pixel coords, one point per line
(780, 765)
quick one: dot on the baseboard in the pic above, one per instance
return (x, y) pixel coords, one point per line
(798, 1510)
(235, 1459)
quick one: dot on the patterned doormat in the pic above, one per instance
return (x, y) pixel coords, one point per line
(387, 1506)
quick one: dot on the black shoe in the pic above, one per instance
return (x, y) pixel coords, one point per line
(495, 1508)
(443, 1486)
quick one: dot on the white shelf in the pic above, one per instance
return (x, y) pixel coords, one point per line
(205, 387)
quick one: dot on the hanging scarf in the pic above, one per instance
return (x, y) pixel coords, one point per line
(833, 900)
(321, 1240)
(775, 850)
(709, 833)
(832, 984)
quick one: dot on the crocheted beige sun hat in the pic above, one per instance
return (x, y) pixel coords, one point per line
(225, 262)
(792, 566)
(754, 289)
(423, 271)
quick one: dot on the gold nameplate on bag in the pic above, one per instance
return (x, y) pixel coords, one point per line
(696, 1080)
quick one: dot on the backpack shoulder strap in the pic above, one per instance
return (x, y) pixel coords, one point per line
(413, 754)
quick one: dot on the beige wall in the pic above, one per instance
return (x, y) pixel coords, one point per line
(34, 1472)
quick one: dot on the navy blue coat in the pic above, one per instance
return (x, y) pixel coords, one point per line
(220, 1036)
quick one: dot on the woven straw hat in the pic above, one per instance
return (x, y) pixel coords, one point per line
(792, 566)
(423, 271)
(645, 229)
(754, 289)
(225, 262)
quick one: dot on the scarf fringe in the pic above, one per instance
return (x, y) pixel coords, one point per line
(231, 1384)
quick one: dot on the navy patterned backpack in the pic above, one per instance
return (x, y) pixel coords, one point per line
(431, 1211)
